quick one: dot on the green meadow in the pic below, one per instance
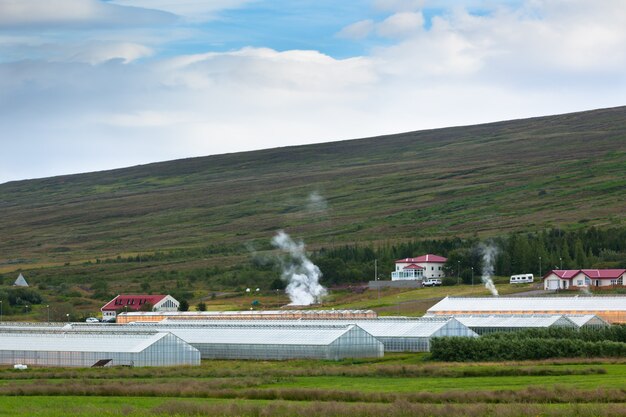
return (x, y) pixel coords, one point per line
(398, 385)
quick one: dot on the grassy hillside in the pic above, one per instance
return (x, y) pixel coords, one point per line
(189, 227)
(563, 170)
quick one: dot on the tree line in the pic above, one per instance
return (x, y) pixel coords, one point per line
(516, 253)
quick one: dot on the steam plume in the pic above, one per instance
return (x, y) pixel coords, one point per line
(316, 203)
(302, 275)
(489, 259)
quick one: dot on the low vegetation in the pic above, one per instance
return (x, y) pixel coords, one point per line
(533, 344)
(399, 384)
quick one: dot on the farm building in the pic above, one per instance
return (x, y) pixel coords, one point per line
(58, 347)
(141, 316)
(136, 302)
(484, 324)
(610, 309)
(425, 266)
(583, 278)
(397, 335)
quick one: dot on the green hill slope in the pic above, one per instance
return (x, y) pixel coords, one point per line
(488, 179)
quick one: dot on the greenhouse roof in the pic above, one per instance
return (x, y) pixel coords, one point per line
(210, 314)
(79, 341)
(270, 335)
(519, 321)
(587, 319)
(415, 327)
(539, 304)
(250, 332)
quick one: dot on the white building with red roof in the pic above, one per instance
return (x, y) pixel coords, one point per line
(422, 267)
(137, 302)
(583, 278)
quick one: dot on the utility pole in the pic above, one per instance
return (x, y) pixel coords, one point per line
(458, 272)
(375, 269)
(376, 276)
(540, 266)
(472, 276)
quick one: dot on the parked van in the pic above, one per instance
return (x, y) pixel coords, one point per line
(521, 279)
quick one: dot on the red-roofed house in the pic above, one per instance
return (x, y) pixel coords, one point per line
(583, 278)
(425, 266)
(135, 302)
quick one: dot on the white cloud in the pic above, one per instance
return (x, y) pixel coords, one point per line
(196, 10)
(401, 25)
(357, 30)
(86, 110)
(98, 52)
(75, 14)
(399, 5)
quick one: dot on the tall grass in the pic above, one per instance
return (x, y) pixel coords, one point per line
(397, 409)
(234, 390)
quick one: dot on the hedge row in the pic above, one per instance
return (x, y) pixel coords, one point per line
(615, 333)
(462, 349)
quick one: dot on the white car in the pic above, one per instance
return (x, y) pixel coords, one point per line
(431, 282)
(92, 320)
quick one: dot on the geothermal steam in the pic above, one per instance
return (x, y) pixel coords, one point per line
(301, 275)
(489, 259)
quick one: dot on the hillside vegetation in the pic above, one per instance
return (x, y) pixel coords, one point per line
(190, 226)
(519, 175)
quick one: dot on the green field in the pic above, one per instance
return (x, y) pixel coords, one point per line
(399, 384)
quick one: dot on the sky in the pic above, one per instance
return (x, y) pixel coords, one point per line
(89, 85)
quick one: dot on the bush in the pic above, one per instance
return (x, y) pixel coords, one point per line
(23, 296)
(462, 349)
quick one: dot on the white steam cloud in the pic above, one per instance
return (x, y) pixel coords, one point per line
(316, 202)
(302, 275)
(489, 259)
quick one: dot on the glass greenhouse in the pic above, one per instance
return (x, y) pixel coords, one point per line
(397, 334)
(610, 308)
(484, 324)
(264, 340)
(154, 317)
(49, 348)
(232, 341)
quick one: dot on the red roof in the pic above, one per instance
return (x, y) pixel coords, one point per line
(424, 258)
(591, 273)
(413, 266)
(132, 302)
(563, 273)
(603, 273)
